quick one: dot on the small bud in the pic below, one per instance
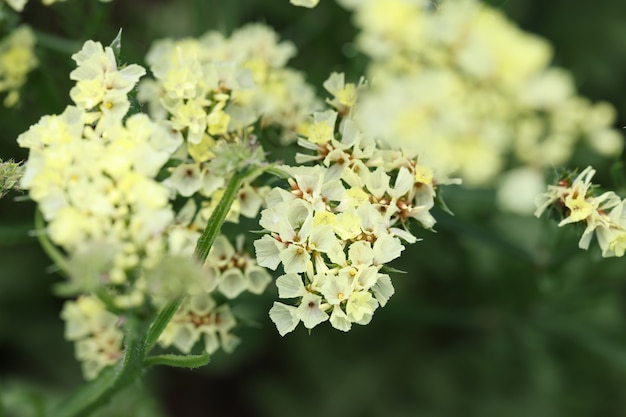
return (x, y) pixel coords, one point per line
(10, 174)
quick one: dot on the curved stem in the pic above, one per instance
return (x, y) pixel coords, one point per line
(142, 333)
(96, 393)
(51, 250)
(218, 217)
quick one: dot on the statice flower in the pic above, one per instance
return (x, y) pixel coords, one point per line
(92, 170)
(575, 201)
(200, 317)
(341, 221)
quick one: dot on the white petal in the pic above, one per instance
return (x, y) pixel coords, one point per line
(294, 258)
(339, 320)
(386, 249)
(290, 286)
(267, 252)
(258, 278)
(383, 289)
(232, 283)
(284, 317)
(309, 311)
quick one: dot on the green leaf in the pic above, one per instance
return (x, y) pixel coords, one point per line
(179, 361)
(116, 45)
(442, 204)
(391, 270)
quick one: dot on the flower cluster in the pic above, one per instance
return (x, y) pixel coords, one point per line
(341, 220)
(110, 196)
(96, 331)
(472, 93)
(576, 202)
(18, 5)
(92, 171)
(17, 59)
(107, 179)
(210, 92)
(201, 317)
(215, 85)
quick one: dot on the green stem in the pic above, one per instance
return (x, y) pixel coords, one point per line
(161, 321)
(218, 217)
(179, 361)
(277, 172)
(98, 392)
(48, 247)
(56, 43)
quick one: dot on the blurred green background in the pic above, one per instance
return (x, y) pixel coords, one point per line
(499, 315)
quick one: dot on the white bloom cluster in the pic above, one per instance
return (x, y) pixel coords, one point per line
(234, 270)
(92, 174)
(201, 317)
(18, 5)
(210, 91)
(96, 332)
(472, 93)
(214, 85)
(576, 201)
(341, 221)
(17, 59)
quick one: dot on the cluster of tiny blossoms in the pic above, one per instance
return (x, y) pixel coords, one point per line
(214, 85)
(210, 92)
(18, 5)
(460, 84)
(341, 220)
(17, 59)
(92, 170)
(106, 178)
(96, 333)
(576, 202)
(92, 174)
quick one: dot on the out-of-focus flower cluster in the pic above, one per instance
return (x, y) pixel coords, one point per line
(96, 333)
(18, 5)
(460, 84)
(92, 174)
(17, 59)
(341, 220)
(214, 85)
(576, 201)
